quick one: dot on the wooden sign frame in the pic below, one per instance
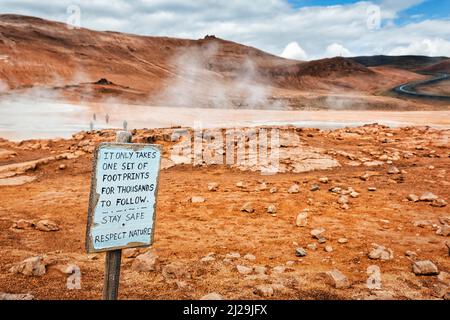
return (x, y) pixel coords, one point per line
(94, 197)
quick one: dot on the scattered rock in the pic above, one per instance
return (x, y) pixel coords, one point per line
(279, 269)
(302, 219)
(317, 233)
(240, 184)
(16, 181)
(342, 199)
(273, 190)
(233, 255)
(328, 249)
(354, 194)
(294, 189)
(248, 207)
(412, 197)
(213, 186)
(260, 269)
(439, 203)
(197, 199)
(428, 197)
(243, 269)
(23, 224)
(342, 240)
(372, 189)
(264, 291)
(212, 296)
(337, 279)
(33, 266)
(410, 254)
(272, 209)
(323, 180)
(250, 257)
(145, 262)
(16, 296)
(47, 226)
(312, 246)
(443, 231)
(315, 187)
(175, 270)
(393, 170)
(208, 258)
(300, 252)
(380, 252)
(425, 268)
(62, 167)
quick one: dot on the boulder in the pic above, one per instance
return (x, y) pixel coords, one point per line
(145, 262)
(47, 226)
(425, 268)
(337, 279)
(33, 266)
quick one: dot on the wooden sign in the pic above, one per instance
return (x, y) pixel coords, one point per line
(122, 202)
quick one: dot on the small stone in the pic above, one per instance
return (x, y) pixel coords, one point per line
(145, 262)
(213, 186)
(315, 187)
(300, 252)
(33, 266)
(197, 199)
(323, 180)
(260, 269)
(342, 199)
(342, 240)
(62, 167)
(328, 249)
(294, 189)
(410, 254)
(264, 291)
(271, 209)
(372, 189)
(354, 194)
(365, 177)
(16, 296)
(337, 190)
(393, 170)
(250, 257)
(443, 231)
(47, 226)
(302, 219)
(337, 279)
(317, 233)
(273, 190)
(233, 255)
(312, 246)
(243, 269)
(240, 184)
(212, 296)
(279, 269)
(428, 196)
(130, 253)
(23, 224)
(208, 258)
(248, 207)
(175, 270)
(425, 268)
(412, 197)
(380, 252)
(439, 203)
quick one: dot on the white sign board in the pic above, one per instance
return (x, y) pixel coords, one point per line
(122, 202)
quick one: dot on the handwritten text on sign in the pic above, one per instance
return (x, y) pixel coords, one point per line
(122, 208)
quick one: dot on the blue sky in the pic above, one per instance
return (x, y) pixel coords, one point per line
(296, 29)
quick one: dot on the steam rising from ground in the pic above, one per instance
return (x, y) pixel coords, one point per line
(199, 84)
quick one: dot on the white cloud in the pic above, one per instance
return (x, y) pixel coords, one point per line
(294, 51)
(427, 47)
(265, 24)
(337, 50)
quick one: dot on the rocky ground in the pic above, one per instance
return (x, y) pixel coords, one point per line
(357, 213)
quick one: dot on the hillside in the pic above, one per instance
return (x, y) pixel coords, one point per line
(67, 63)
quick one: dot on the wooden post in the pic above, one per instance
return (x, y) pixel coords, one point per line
(114, 257)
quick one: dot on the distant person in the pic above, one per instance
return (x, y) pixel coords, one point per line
(107, 118)
(91, 125)
(125, 124)
(94, 116)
